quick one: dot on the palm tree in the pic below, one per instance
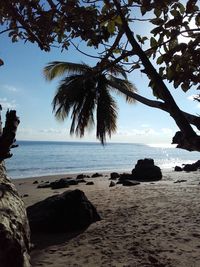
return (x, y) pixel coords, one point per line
(86, 92)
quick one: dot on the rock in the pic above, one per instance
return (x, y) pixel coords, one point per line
(90, 183)
(25, 195)
(146, 171)
(192, 167)
(35, 182)
(114, 175)
(44, 185)
(125, 176)
(63, 183)
(81, 181)
(96, 175)
(177, 169)
(81, 176)
(112, 184)
(180, 181)
(130, 183)
(69, 211)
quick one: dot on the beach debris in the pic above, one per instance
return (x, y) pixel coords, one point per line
(69, 211)
(130, 183)
(90, 183)
(96, 175)
(112, 184)
(35, 182)
(180, 181)
(146, 171)
(114, 175)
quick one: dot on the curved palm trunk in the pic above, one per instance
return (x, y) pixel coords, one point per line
(14, 227)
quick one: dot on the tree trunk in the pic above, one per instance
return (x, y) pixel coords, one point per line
(14, 227)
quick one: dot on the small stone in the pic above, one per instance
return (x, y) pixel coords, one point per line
(35, 182)
(112, 184)
(90, 183)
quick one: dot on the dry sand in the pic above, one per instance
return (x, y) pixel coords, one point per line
(146, 225)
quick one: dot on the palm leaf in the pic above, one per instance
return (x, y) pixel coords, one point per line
(122, 87)
(106, 112)
(58, 68)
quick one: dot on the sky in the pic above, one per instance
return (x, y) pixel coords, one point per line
(23, 87)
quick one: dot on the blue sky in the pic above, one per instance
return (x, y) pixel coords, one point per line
(23, 87)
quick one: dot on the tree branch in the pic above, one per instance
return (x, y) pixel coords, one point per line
(159, 86)
(7, 138)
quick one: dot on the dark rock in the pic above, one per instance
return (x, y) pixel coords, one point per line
(125, 176)
(69, 211)
(90, 183)
(25, 195)
(180, 181)
(96, 175)
(130, 183)
(112, 184)
(44, 185)
(81, 176)
(192, 167)
(114, 175)
(63, 183)
(81, 181)
(146, 171)
(35, 182)
(177, 169)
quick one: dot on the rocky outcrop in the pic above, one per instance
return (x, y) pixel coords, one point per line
(189, 167)
(146, 171)
(69, 211)
(14, 228)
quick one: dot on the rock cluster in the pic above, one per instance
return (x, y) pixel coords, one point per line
(189, 167)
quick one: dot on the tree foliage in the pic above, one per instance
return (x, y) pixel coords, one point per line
(169, 52)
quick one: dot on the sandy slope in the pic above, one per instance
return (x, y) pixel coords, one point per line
(146, 225)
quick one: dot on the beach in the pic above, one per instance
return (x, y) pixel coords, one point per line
(151, 224)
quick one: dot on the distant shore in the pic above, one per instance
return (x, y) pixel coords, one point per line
(151, 224)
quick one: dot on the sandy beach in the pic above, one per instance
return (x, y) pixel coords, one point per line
(151, 224)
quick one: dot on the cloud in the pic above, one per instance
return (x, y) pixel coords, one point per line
(10, 88)
(7, 104)
(191, 97)
(51, 130)
(167, 131)
(137, 132)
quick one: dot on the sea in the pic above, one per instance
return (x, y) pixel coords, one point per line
(38, 158)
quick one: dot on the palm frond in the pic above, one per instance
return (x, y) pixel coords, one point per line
(122, 87)
(58, 68)
(68, 93)
(106, 112)
(117, 70)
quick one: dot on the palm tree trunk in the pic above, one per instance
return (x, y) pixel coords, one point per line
(14, 227)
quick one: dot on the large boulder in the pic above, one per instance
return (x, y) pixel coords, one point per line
(69, 211)
(146, 171)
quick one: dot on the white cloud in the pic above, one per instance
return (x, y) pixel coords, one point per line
(7, 104)
(191, 97)
(10, 88)
(167, 131)
(51, 130)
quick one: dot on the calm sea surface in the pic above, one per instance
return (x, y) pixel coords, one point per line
(44, 158)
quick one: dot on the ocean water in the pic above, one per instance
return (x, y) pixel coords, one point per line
(32, 159)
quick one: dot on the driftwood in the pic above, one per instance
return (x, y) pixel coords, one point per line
(14, 227)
